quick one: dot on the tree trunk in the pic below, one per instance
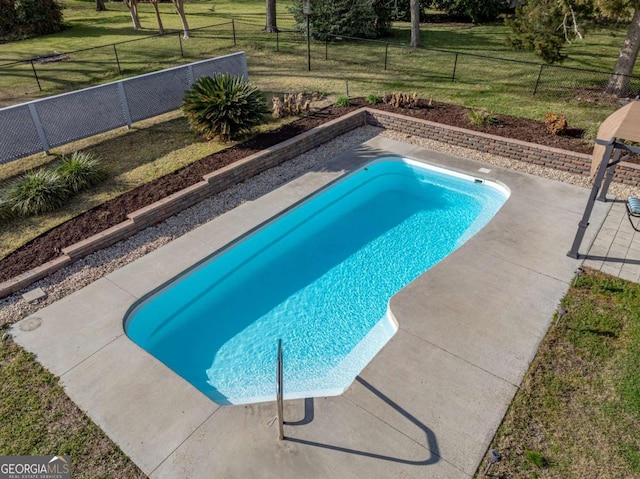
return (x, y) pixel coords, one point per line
(132, 5)
(179, 4)
(619, 81)
(271, 26)
(414, 5)
(100, 7)
(158, 18)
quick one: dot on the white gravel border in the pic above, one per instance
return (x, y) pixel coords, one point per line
(87, 270)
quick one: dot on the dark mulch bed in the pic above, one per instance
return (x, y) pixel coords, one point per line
(48, 246)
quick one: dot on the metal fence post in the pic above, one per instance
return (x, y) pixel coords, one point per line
(125, 103)
(233, 27)
(277, 40)
(535, 88)
(180, 41)
(41, 134)
(326, 47)
(190, 77)
(386, 54)
(455, 67)
(308, 45)
(115, 52)
(36, 75)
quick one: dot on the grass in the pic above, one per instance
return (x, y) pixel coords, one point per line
(343, 101)
(37, 418)
(577, 413)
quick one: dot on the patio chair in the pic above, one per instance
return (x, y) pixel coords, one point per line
(633, 209)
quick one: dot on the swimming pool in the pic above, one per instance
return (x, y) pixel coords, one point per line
(319, 276)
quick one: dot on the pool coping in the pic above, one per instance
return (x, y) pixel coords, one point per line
(401, 414)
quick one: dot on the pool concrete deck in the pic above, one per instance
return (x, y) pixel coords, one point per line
(427, 405)
(616, 249)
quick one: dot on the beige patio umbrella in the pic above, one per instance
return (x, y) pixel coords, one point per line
(623, 124)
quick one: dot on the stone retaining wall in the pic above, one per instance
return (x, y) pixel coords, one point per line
(235, 173)
(564, 160)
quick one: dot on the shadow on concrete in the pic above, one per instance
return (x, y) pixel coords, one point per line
(308, 414)
(432, 443)
(609, 259)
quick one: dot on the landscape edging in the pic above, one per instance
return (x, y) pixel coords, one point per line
(228, 176)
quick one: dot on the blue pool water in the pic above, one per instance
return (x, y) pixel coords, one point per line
(320, 277)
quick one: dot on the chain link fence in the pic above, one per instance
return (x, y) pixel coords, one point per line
(43, 124)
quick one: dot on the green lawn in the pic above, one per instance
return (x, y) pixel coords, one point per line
(577, 413)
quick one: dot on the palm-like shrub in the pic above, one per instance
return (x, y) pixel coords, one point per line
(223, 106)
(36, 192)
(80, 171)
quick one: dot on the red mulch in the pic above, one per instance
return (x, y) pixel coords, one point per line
(48, 246)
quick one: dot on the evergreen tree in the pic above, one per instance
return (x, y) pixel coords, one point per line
(400, 10)
(29, 18)
(535, 26)
(355, 18)
(544, 26)
(8, 17)
(475, 10)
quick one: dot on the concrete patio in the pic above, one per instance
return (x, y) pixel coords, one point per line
(427, 405)
(616, 249)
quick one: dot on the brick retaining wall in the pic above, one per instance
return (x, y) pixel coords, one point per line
(564, 160)
(246, 168)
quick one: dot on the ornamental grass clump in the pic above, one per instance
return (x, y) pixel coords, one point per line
(482, 118)
(343, 101)
(223, 106)
(36, 192)
(373, 99)
(80, 171)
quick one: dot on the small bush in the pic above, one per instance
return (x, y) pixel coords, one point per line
(482, 118)
(80, 171)
(343, 101)
(223, 106)
(373, 99)
(36, 192)
(556, 124)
